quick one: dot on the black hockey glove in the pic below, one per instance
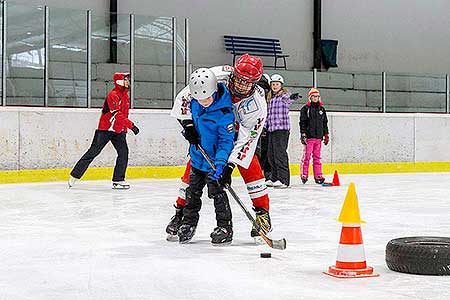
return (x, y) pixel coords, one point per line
(225, 177)
(135, 130)
(190, 133)
(295, 96)
(303, 138)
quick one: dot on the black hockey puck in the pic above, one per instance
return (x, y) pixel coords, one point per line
(266, 255)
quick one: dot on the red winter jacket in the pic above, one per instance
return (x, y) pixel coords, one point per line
(115, 108)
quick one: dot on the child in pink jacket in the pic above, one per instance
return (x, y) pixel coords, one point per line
(313, 129)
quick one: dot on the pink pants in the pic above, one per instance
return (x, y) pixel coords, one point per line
(313, 146)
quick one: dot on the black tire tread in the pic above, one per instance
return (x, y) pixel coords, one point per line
(405, 255)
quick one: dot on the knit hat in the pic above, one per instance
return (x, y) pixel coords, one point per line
(313, 92)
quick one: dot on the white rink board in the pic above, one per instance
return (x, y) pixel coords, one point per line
(58, 137)
(9, 140)
(91, 242)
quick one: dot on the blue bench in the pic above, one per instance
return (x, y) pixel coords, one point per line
(239, 45)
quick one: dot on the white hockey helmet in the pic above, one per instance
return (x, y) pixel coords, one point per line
(202, 83)
(277, 78)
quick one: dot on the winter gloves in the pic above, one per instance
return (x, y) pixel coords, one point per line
(217, 174)
(303, 139)
(135, 130)
(295, 96)
(190, 133)
(326, 138)
(225, 178)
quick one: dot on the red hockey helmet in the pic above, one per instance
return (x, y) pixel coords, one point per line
(247, 71)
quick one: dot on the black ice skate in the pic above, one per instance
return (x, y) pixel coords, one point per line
(319, 180)
(174, 225)
(263, 220)
(186, 233)
(120, 185)
(304, 179)
(222, 236)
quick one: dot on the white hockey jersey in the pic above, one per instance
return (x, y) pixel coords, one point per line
(250, 113)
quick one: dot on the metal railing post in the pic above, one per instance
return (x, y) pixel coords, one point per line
(187, 71)
(447, 93)
(89, 59)
(132, 58)
(46, 53)
(383, 92)
(314, 78)
(174, 58)
(4, 61)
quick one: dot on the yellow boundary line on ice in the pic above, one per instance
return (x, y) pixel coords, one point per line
(164, 172)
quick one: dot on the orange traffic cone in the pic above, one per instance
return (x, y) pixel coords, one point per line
(336, 179)
(351, 260)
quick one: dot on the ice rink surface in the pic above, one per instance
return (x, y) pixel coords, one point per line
(92, 242)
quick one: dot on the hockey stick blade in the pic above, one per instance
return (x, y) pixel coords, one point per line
(275, 244)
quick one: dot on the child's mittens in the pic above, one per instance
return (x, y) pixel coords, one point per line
(326, 139)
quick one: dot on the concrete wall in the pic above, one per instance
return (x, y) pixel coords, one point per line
(37, 138)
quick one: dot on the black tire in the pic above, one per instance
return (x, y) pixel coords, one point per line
(419, 255)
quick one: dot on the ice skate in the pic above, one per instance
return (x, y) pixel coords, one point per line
(71, 181)
(186, 233)
(120, 185)
(269, 183)
(304, 179)
(174, 225)
(319, 179)
(222, 236)
(280, 186)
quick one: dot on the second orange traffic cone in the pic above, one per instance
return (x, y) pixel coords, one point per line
(336, 179)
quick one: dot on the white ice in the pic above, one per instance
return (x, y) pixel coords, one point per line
(92, 242)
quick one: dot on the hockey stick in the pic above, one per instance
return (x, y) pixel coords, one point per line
(275, 244)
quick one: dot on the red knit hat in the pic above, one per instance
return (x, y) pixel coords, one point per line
(313, 92)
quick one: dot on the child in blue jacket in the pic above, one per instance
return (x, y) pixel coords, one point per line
(212, 126)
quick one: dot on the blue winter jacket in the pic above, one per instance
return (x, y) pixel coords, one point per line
(215, 125)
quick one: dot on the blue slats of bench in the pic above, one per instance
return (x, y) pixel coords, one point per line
(238, 45)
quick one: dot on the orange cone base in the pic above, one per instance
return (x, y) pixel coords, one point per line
(350, 273)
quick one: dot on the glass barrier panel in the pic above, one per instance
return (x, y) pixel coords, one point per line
(67, 57)
(110, 52)
(25, 55)
(153, 53)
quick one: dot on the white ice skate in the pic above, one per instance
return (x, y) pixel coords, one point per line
(71, 181)
(277, 184)
(269, 183)
(120, 185)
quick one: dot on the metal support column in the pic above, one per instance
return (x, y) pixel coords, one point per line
(46, 53)
(4, 58)
(314, 78)
(89, 59)
(383, 92)
(174, 58)
(187, 71)
(132, 58)
(317, 34)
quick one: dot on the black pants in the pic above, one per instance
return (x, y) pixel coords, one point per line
(261, 152)
(278, 157)
(101, 138)
(197, 181)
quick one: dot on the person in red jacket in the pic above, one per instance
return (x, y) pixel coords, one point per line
(113, 126)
